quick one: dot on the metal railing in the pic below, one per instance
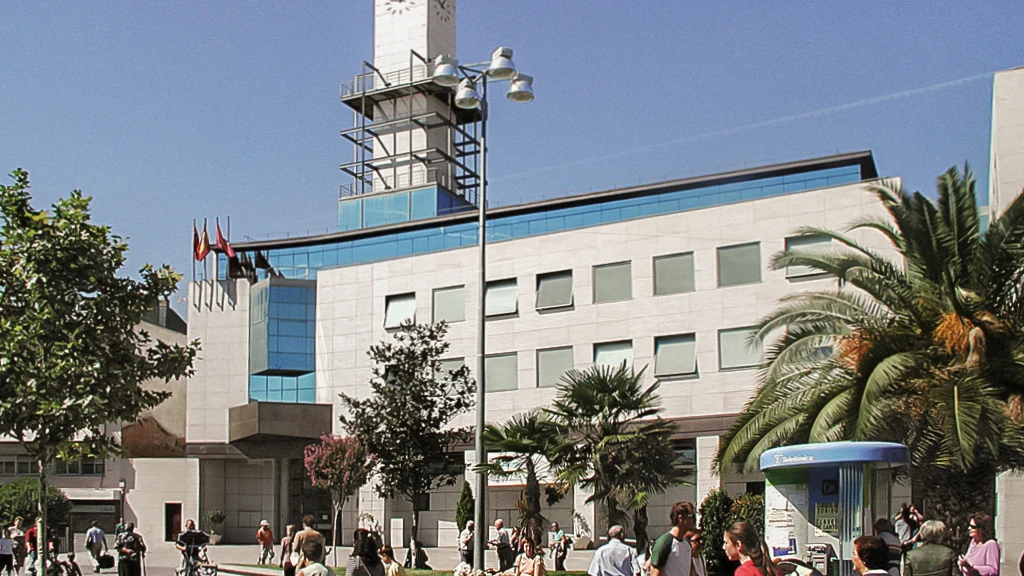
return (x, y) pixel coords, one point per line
(370, 81)
(398, 182)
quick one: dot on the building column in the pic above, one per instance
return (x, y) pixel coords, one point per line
(584, 515)
(707, 479)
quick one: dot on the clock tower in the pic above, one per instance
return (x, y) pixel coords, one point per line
(415, 153)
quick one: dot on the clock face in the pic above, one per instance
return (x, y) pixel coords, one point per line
(399, 6)
(443, 9)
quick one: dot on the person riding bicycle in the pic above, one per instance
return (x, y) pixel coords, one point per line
(192, 543)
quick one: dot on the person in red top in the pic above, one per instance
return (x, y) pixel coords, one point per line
(31, 543)
(265, 536)
(743, 544)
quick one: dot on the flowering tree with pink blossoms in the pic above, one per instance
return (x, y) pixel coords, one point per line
(340, 465)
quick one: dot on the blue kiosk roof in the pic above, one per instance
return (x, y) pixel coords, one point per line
(833, 453)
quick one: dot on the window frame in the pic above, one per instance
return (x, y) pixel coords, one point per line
(394, 299)
(718, 264)
(487, 380)
(664, 257)
(513, 284)
(552, 275)
(572, 364)
(632, 357)
(658, 340)
(433, 303)
(593, 280)
(753, 366)
(803, 272)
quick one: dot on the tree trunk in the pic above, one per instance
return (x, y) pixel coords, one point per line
(953, 496)
(335, 527)
(414, 544)
(640, 529)
(615, 514)
(533, 519)
(41, 551)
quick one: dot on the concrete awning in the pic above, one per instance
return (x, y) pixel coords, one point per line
(92, 493)
(277, 429)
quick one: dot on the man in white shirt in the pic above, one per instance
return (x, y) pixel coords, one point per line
(466, 543)
(614, 558)
(96, 544)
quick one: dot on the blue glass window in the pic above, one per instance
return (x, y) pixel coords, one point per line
(294, 389)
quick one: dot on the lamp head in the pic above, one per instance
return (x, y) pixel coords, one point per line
(521, 88)
(446, 71)
(501, 67)
(466, 96)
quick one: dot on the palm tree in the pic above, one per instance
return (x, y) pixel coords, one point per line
(522, 442)
(613, 441)
(925, 349)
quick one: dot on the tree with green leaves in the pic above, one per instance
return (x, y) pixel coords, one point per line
(923, 346)
(464, 508)
(522, 443)
(71, 357)
(340, 465)
(21, 498)
(613, 441)
(405, 422)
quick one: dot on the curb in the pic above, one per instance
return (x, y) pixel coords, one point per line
(245, 571)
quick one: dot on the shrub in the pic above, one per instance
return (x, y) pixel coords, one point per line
(213, 519)
(715, 518)
(750, 508)
(464, 509)
(21, 497)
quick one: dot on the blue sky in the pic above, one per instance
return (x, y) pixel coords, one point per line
(165, 112)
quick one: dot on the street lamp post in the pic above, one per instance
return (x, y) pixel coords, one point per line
(447, 73)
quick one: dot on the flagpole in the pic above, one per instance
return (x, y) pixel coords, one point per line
(195, 234)
(205, 275)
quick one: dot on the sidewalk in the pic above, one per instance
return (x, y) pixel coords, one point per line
(239, 559)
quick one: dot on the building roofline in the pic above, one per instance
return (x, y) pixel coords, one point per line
(864, 158)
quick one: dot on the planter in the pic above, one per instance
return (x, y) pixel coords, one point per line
(215, 539)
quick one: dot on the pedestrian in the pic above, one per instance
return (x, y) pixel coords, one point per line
(742, 543)
(672, 554)
(529, 563)
(391, 567)
(466, 543)
(364, 560)
(96, 544)
(559, 546)
(696, 539)
(614, 558)
(908, 522)
(286, 551)
(298, 542)
(503, 544)
(70, 566)
(514, 540)
(31, 544)
(885, 530)
(313, 558)
(265, 537)
(6, 552)
(871, 556)
(131, 549)
(121, 527)
(18, 536)
(932, 557)
(982, 558)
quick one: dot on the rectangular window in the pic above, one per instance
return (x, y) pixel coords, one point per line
(501, 298)
(739, 264)
(552, 364)
(502, 372)
(613, 282)
(614, 353)
(398, 309)
(675, 355)
(8, 467)
(806, 244)
(92, 467)
(27, 467)
(450, 364)
(673, 274)
(554, 290)
(68, 468)
(450, 304)
(735, 350)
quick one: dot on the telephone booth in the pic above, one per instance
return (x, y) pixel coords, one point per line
(819, 498)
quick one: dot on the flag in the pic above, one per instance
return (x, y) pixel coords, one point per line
(247, 268)
(261, 261)
(195, 242)
(235, 268)
(200, 245)
(222, 244)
